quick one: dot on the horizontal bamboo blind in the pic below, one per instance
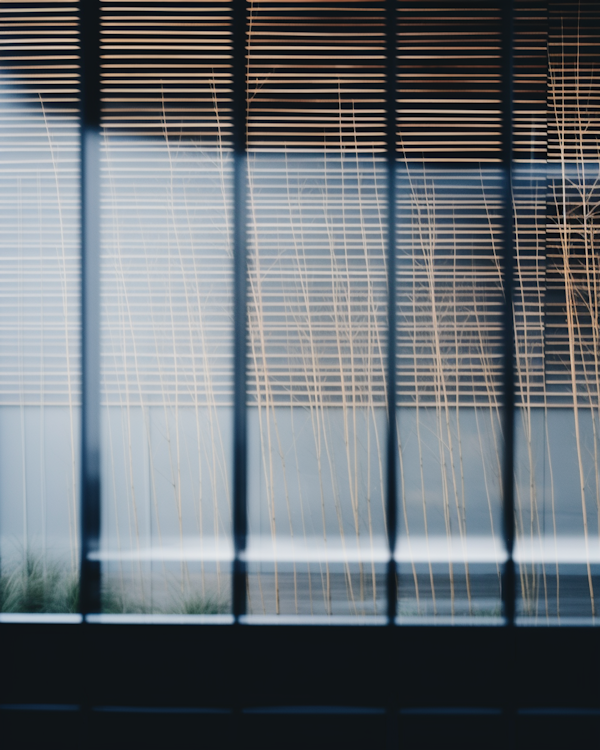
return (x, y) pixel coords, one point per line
(167, 170)
(39, 202)
(572, 284)
(449, 81)
(450, 291)
(317, 221)
(530, 69)
(316, 75)
(166, 69)
(573, 81)
(317, 280)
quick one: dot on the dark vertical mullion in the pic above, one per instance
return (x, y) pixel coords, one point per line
(90, 305)
(392, 437)
(240, 291)
(508, 381)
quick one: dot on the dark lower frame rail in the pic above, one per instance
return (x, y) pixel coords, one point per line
(159, 686)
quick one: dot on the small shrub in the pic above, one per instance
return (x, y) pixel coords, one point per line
(32, 587)
(196, 604)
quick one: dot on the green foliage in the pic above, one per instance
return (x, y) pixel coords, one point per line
(116, 603)
(32, 586)
(196, 604)
(35, 587)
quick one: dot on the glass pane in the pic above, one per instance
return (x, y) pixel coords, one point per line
(40, 312)
(557, 447)
(166, 313)
(167, 331)
(317, 420)
(557, 469)
(450, 300)
(557, 515)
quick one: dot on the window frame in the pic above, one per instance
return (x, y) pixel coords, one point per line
(446, 671)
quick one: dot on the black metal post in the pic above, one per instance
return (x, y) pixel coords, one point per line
(508, 383)
(392, 436)
(508, 380)
(392, 442)
(240, 516)
(89, 599)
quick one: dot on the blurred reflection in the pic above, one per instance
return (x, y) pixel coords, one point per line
(39, 349)
(317, 424)
(449, 368)
(166, 376)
